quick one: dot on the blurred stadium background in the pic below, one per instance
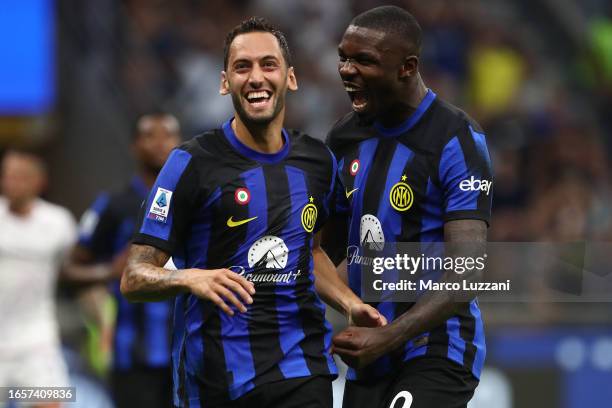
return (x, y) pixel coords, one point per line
(537, 75)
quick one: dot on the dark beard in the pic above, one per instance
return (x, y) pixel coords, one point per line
(248, 120)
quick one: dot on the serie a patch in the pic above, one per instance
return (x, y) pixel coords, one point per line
(160, 205)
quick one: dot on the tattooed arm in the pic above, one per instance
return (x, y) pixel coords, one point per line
(359, 346)
(145, 280)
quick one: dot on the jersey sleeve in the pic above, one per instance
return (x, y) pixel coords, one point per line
(97, 228)
(466, 176)
(167, 212)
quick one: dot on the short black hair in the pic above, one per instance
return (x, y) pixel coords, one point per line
(254, 25)
(393, 20)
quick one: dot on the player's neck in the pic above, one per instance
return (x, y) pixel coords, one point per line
(406, 104)
(266, 138)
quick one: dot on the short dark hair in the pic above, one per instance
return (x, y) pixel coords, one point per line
(253, 25)
(393, 20)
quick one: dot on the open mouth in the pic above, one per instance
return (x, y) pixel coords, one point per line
(358, 96)
(258, 99)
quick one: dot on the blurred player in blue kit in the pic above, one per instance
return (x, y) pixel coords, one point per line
(239, 209)
(411, 169)
(140, 372)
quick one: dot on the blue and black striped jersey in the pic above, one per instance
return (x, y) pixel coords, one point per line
(142, 332)
(219, 204)
(401, 185)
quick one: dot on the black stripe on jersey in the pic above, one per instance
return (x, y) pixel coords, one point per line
(467, 331)
(214, 358)
(416, 171)
(313, 320)
(139, 346)
(347, 178)
(225, 241)
(268, 349)
(374, 188)
(219, 250)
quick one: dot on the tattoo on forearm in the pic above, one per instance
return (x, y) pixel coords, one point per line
(147, 254)
(145, 279)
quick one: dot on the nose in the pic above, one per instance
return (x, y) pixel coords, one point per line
(256, 78)
(346, 67)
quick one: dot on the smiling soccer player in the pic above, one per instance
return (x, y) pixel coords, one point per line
(238, 209)
(412, 168)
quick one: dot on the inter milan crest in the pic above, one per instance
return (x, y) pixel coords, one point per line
(401, 196)
(309, 216)
(242, 196)
(354, 167)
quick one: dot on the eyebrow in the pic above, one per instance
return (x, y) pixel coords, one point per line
(265, 57)
(361, 54)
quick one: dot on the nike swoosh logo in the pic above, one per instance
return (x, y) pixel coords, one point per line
(231, 223)
(349, 193)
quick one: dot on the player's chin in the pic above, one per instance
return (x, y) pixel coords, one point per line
(366, 113)
(259, 118)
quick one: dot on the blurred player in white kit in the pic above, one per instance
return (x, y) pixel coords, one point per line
(35, 235)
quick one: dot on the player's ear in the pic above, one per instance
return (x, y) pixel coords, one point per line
(291, 79)
(410, 67)
(224, 86)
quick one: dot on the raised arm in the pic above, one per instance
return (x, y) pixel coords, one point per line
(145, 280)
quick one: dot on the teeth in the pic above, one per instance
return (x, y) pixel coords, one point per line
(357, 106)
(351, 89)
(256, 95)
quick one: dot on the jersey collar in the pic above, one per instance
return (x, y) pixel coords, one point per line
(245, 150)
(412, 119)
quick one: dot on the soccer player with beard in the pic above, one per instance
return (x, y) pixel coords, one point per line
(238, 208)
(141, 338)
(412, 168)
